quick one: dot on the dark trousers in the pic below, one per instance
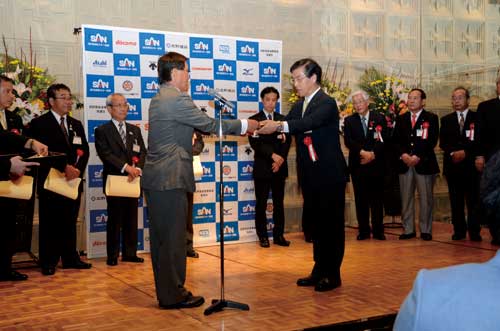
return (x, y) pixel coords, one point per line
(368, 197)
(7, 233)
(189, 223)
(306, 217)
(327, 230)
(167, 219)
(57, 229)
(122, 215)
(262, 187)
(463, 189)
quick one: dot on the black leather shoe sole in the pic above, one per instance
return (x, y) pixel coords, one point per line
(112, 262)
(327, 284)
(13, 276)
(405, 236)
(307, 281)
(193, 254)
(426, 236)
(134, 259)
(48, 271)
(190, 302)
(77, 265)
(264, 243)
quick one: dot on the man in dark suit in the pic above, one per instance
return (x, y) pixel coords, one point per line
(363, 136)
(168, 176)
(12, 167)
(58, 214)
(415, 136)
(488, 143)
(456, 139)
(314, 120)
(270, 171)
(121, 149)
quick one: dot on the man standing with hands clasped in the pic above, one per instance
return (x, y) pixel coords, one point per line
(121, 149)
(314, 120)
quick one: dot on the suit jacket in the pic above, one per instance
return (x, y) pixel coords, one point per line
(172, 118)
(113, 153)
(355, 140)
(451, 140)
(264, 146)
(46, 129)
(16, 143)
(446, 299)
(14, 122)
(488, 130)
(406, 140)
(322, 117)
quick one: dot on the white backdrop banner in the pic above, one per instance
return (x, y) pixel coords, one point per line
(124, 60)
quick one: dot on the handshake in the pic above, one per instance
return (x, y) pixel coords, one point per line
(263, 127)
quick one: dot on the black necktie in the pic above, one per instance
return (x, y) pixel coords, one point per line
(461, 123)
(63, 128)
(270, 117)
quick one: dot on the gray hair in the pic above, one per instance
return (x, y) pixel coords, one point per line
(365, 95)
(109, 98)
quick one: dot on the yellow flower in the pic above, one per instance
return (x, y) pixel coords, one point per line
(14, 62)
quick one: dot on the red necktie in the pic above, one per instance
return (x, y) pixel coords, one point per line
(413, 120)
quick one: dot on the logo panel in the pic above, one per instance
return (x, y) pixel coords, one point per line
(98, 40)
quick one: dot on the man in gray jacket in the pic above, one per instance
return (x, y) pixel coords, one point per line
(168, 176)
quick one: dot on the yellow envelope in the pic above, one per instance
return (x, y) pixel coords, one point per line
(197, 168)
(20, 189)
(57, 183)
(119, 186)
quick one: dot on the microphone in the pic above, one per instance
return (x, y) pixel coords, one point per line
(220, 98)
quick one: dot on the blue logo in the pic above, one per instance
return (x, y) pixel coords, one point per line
(95, 175)
(98, 220)
(152, 43)
(134, 110)
(269, 72)
(127, 64)
(247, 51)
(149, 87)
(231, 231)
(225, 69)
(245, 170)
(229, 151)
(246, 210)
(208, 172)
(100, 86)
(203, 213)
(145, 217)
(230, 190)
(201, 48)
(92, 124)
(248, 91)
(98, 40)
(228, 113)
(140, 239)
(199, 89)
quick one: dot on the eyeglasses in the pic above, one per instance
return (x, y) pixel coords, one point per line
(294, 80)
(120, 105)
(67, 98)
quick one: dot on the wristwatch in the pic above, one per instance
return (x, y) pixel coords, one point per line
(280, 127)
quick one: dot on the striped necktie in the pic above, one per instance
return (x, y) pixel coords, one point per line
(63, 128)
(121, 131)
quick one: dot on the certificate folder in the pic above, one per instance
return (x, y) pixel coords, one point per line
(119, 186)
(22, 188)
(57, 183)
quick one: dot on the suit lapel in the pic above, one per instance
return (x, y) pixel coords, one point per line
(312, 103)
(116, 135)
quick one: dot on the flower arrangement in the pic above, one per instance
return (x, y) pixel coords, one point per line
(30, 83)
(388, 94)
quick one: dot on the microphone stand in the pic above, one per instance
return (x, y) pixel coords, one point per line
(219, 304)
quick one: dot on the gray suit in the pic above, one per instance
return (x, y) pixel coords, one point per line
(167, 177)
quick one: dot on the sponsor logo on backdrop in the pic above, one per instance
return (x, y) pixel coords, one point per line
(96, 198)
(97, 243)
(203, 213)
(228, 113)
(100, 86)
(200, 47)
(149, 86)
(245, 170)
(127, 64)
(95, 174)
(134, 110)
(208, 171)
(246, 210)
(226, 170)
(205, 233)
(230, 230)
(152, 43)
(247, 51)
(98, 40)
(176, 46)
(92, 124)
(269, 52)
(248, 91)
(269, 72)
(248, 72)
(98, 220)
(127, 85)
(230, 190)
(229, 151)
(225, 69)
(224, 49)
(100, 63)
(199, 89)
(121, 42)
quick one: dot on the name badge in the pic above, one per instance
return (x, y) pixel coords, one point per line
(375, 135)
(419, 132)
(467, 133)
(77, 140)
(136, 148)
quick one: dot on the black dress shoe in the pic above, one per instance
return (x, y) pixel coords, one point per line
(112, 262)
(475, 237)
(457, 236)
(405, 236)
(190, 302)
(362, 236)
(192, 253)
(264, 242)
(48, 271)
(308, 238)
(307, 281)
(281, 241)
(379, 236)
(13, 276)
(134, 259)
(77, 265)
(326, 284)
(426, 236)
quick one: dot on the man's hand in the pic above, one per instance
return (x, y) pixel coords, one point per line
(458, 156)
(366, 156)
(406, 158)
(479, 163)
(132, 172)
(276, 166)
(267, 127)
(278, 159)
(252, 126)
(18, 167)
(71, 172)
(39, 148)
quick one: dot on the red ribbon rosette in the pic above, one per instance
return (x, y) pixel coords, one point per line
(135, 160)
(471, 132)
(310, 148)
(378, 130)
(15, 131)
(79, 154)
(425, 130)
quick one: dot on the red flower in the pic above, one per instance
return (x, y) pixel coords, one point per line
(135, 160)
